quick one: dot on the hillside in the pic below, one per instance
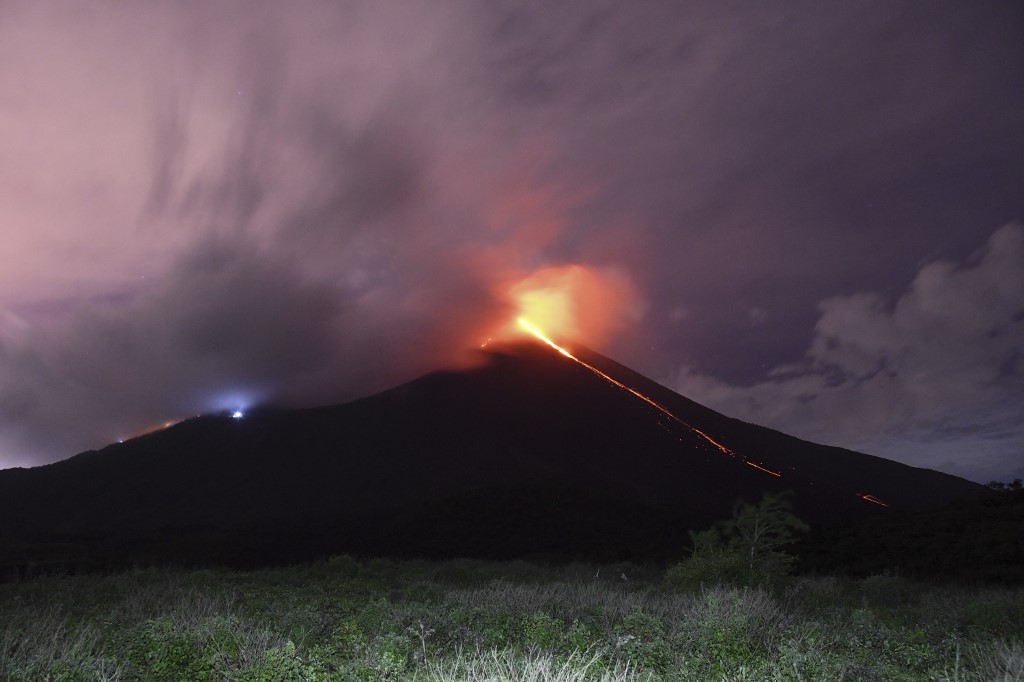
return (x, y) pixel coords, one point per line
(527, 454)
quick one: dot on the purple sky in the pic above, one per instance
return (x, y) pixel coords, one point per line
(807, 210)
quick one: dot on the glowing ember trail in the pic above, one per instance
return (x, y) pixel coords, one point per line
(526, 325)
(656, 405)
(767, 471)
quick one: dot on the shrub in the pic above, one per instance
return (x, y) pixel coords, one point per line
(344, 566)
(543, 632)
(886, 590)
(165, 653)
(640, 639)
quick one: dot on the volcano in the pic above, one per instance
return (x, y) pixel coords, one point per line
(533, 452)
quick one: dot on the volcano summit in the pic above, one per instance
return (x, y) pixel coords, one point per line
(538, 450)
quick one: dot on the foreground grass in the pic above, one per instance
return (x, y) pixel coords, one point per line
(464, 620)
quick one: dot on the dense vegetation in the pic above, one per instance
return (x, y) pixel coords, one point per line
(345, 619)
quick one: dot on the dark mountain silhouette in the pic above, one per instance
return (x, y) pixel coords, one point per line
(530, 453)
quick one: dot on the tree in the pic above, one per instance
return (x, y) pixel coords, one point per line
(744, 550)
(1015, 487)
(763, 529)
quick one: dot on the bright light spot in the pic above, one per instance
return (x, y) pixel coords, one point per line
(237, 414)
(540, 335)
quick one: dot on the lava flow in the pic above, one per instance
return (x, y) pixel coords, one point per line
(523, 323)
(656, 405)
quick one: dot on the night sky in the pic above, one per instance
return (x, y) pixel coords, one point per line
(802, 214)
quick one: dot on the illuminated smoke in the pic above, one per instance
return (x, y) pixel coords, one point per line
(585, 304)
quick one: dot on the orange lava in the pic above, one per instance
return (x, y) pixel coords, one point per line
(767, 471)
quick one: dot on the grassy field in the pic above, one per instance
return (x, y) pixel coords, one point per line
(466, 620)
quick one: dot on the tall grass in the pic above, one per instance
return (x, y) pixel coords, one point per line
(465, 620)
(508, 664)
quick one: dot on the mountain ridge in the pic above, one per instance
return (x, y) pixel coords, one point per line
(526, 453)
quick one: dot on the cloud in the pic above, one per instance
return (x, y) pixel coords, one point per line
(934, 378)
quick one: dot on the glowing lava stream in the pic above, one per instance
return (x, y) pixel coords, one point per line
(661, 408)
(658, 406)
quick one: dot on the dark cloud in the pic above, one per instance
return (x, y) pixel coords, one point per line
(226, 327)
(936, 375)
(375, 175)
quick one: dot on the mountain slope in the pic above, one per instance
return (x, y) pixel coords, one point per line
(528, 453)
